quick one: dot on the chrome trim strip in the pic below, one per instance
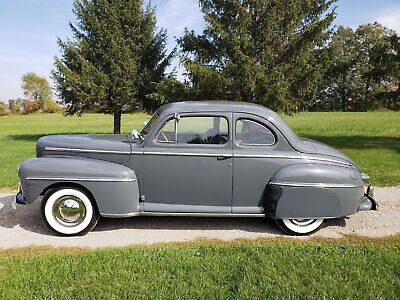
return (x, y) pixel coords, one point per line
(188, 154)
(247, 156)
(268, 156)
(291, 157)
(322, 185)
(82, 179)
(188, 214)
(85, 150)
(328, 160)
(133, 214)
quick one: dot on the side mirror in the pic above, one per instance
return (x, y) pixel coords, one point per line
(136, 135)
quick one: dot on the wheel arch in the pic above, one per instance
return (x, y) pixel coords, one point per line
(74, 185)
(113, 187)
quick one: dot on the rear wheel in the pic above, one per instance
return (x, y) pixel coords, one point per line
(69, 211)
(299, 226)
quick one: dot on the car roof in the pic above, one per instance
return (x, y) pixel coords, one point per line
(213, 105)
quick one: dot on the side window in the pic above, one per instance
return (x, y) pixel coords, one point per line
(249, 132)
(202, 130)
(194, 130)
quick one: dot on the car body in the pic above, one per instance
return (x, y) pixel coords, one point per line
(201, 158)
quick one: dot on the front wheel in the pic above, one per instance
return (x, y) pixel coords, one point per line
(299, 226)
(69, 211)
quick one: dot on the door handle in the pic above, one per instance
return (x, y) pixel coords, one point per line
(223, 156)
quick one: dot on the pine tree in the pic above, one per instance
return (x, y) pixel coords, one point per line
(113, 60)
(258, 51)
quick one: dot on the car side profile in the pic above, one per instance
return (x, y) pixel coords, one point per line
(201, 158)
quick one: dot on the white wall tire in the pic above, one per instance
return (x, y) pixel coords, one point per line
(69, 211)
(300, 226)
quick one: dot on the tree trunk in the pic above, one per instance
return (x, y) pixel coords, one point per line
(117, 121)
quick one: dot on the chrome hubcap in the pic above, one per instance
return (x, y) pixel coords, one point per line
(69, 210)
(302, 222)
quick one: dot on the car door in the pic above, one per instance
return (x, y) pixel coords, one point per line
(259, 151)
(187, 165)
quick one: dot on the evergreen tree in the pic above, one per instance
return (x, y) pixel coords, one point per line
(258, 51)
(114, 59)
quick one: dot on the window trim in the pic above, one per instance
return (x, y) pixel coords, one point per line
(258, 123)
(175, 133)
(177, 145)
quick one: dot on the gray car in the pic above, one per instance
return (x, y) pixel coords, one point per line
(203, 158)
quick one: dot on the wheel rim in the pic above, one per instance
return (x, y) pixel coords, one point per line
(302, 226)
(69, 210)
(302, 222)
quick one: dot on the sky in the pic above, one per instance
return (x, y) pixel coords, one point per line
(29, 30)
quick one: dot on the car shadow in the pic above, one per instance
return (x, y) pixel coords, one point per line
(29, 218)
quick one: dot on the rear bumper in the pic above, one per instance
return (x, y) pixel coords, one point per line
(19, 198)
(368, 202)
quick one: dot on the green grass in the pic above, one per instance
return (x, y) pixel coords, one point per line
(18, 135)
(208, 270)
(371, 139)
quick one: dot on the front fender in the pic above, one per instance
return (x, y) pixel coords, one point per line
(313, 191)
(114, 187)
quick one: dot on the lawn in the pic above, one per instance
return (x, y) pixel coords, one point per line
(371, 139)
(208, 270)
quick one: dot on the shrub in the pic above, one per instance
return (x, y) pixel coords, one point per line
(51, 106)
(3, 109)
(30, 106)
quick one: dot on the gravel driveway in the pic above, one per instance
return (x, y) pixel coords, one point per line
(24, 226)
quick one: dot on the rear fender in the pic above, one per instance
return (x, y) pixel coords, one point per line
(114, 187)
(313, 191)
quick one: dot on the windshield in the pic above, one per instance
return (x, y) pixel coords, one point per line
(146, 129)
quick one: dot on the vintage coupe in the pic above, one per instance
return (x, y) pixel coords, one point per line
(203, 158)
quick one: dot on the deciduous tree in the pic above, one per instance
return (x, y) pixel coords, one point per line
(363, 66)
(36, 88)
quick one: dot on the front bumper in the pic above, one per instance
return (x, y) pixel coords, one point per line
(19, 198)
(368, 202)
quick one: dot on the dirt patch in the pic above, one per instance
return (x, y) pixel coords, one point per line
(24, 227)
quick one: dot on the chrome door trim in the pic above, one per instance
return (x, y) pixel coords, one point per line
(312, 184)
(85, 150)
(246, 156)
(228, 155)
(82, 179)
(267, 156)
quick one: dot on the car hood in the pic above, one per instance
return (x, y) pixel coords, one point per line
(106, 143)
(315, 147)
